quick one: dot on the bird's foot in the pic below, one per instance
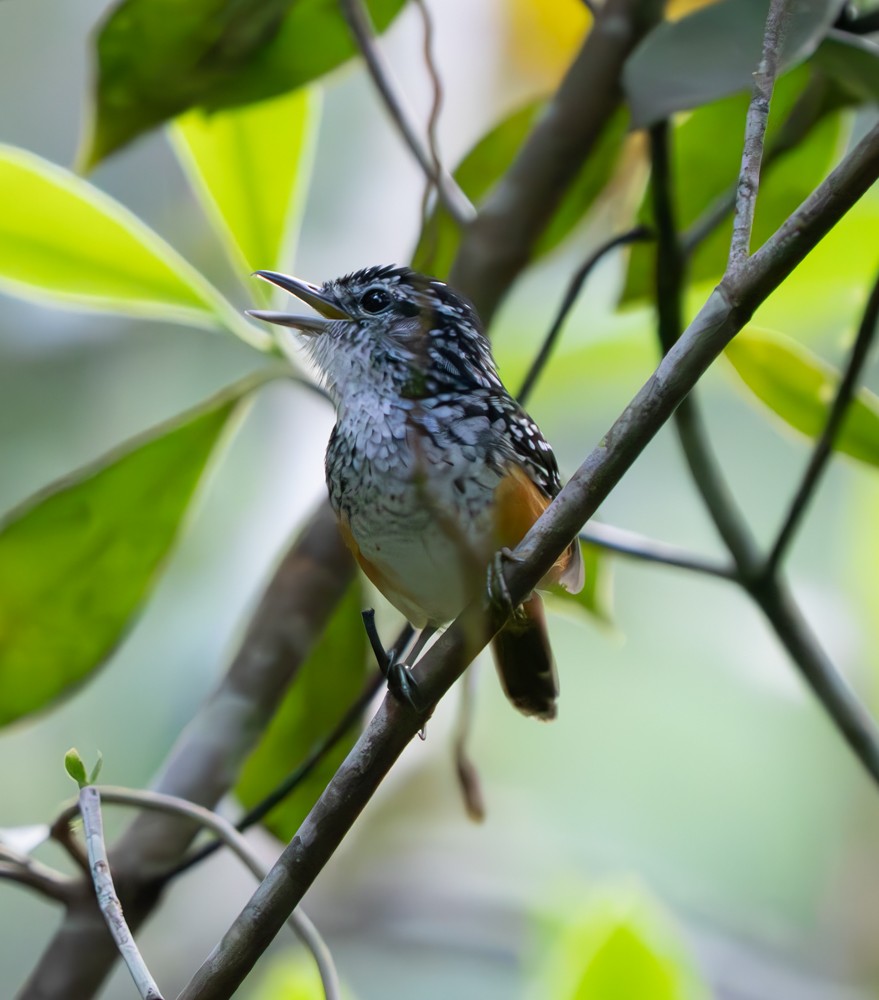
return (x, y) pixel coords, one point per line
(496, 585)
(401, 683)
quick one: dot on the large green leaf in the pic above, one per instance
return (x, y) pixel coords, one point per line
(63, 240)
(851, 61)
(250, 167)
(490, 158)
(713, 52)
(328, 682)
(158, 58)
(621, 946)
(78, 559)
(799, 387)
(707, 149)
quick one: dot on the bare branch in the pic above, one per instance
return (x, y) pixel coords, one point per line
(726, 311)
(34, 875)
(571, 295)
(108, 901)
(498, 244)
(453, 198)
(824, 446)
(755, 131)
(637, 546)
(468, 776)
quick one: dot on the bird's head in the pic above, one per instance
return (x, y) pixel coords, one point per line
(389, 326)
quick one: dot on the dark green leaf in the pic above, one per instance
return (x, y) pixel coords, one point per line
(713, 52)
(851, 61)
(799, 387)
(78, 559)
(158, 58)
(707, 149)
(488, 161)
(621, 947)
(328, 682)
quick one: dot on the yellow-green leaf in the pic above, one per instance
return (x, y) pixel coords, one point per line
(63, 240)
(250, 168)
(799, 387)
(78, 559)
(621, 946)
(327, 684)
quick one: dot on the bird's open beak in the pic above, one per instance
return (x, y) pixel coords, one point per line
(310, 294)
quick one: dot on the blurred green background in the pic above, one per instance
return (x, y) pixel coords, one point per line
(688, 764)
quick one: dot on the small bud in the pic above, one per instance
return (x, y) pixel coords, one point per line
(74, 766)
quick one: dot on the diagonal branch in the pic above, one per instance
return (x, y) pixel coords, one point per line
(453, 198)
(394, 725)
(497, 245)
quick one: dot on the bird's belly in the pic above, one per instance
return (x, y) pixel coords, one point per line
(426, 556)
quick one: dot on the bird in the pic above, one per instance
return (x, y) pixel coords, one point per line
(432, 467)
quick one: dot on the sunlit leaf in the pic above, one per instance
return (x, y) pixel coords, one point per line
(621, 946)
(714, 52)
(707, 149)
(78, 559)
(63, 240)
(294, 977)
(158, 58)
(328, 682)
(490, 158)
(250, 167)
(596, 597)
(852, 61)
(799, 387)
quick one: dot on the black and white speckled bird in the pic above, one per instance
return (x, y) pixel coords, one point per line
(432, 466)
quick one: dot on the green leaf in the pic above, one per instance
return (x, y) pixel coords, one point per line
(328, 682)
(75, 767)
(851, 61)
(620, 947)
(489, 159)
(595, 600)
(799, 387)
(78, 560)
(292, 977)
(714, 52)
(250, 168)
(63, 240)
(707, 149)
(159, 58)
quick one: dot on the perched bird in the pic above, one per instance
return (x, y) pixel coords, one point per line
(432, 466)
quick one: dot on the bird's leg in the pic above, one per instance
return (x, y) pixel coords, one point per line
(423, 636)
(496, 585)
(401, 683)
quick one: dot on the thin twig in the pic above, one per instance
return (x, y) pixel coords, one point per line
(436, 107)
(755, 132)
(395, 725)
(571, 295)
(824, 446)
(468, 776)
(637, 546)
(108, 901)
(456, 202)
(235, 841)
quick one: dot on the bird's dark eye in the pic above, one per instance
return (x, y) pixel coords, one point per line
(375, 300)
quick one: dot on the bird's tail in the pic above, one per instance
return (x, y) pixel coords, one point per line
(524, 661)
